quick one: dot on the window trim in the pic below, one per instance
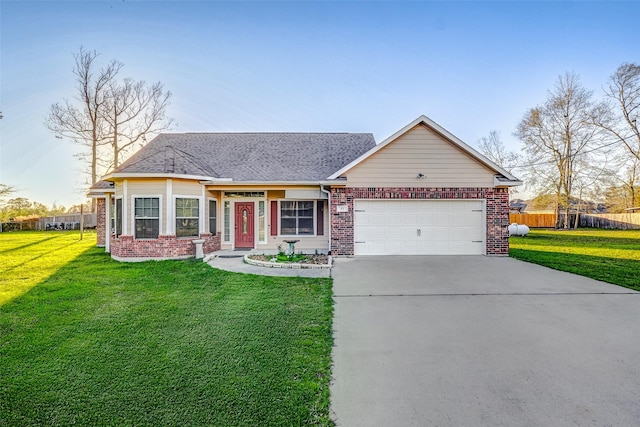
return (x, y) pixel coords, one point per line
(133, 214)
(117, 218)
(175, 215)
(315, 218)
(208, 218)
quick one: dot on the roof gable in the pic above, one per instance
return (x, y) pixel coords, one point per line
(449, 137)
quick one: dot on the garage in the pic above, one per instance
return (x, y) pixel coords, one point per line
(419, 227)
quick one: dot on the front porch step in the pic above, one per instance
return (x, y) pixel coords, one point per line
(236, 253)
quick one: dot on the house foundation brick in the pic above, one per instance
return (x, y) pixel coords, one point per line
(164, 247)
(497, 211)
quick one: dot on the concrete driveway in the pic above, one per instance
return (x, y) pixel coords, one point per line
(481, 341)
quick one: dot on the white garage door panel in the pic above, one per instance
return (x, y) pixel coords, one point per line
(446, 227)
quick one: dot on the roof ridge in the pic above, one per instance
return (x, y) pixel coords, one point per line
(195, 160)
(267, 133)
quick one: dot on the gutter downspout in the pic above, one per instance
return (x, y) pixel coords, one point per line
(328, 193)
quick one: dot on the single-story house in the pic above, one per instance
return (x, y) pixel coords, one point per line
(421, 191)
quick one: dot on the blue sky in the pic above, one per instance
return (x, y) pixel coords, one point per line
(300, 66)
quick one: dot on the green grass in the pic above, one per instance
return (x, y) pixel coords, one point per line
(28, 258)
(97, 342)
(609, 255)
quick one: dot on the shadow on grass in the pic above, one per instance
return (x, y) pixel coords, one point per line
(34, 258)
(29, 265)
(618, 271)
(165, 343)
(18, 248)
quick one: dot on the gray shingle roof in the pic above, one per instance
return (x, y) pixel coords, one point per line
(103, 185)
(250, 156)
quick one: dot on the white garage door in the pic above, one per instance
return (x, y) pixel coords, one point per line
(419, 227)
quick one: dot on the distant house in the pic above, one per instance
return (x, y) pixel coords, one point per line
(420, 191)
(517, 206)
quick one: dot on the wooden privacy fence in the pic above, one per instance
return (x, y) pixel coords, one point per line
(623, 221)
(67, 222)
(534, 220)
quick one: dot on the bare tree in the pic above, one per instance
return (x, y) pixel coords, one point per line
(619, 113)
(83, 121)
(587, 181)
(108, 112)
(558, 133)
(623, 190)
(135, 111)
(493, 148)
(5, 190)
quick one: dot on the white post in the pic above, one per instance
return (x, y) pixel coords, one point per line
(199, 251)
(107, 228)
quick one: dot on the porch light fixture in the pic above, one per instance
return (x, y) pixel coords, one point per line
(420, 175)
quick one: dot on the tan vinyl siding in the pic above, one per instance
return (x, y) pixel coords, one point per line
(420, 150)
(147, 186)
(186, 188)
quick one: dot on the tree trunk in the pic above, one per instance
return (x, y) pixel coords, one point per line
(577, 222)
(115, 138)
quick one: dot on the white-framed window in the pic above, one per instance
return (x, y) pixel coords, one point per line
(117, 216)
(187, 217)
(146, 216)
(213, 217)
(297, 217)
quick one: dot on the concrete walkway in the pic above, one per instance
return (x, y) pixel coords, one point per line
(237, 265)
(481, 341)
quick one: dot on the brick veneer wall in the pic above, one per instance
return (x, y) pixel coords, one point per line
(101, 222)
(497, 211)
(164, 247)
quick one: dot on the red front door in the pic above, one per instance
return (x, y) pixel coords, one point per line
(244, 225)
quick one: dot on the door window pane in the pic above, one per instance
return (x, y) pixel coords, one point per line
(227, 221)
(261, 219)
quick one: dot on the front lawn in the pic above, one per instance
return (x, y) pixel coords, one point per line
(609, 255)
(97, 342)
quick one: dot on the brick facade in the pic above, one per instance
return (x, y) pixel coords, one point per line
(101, 221)
(164, 247)
(497, 212)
